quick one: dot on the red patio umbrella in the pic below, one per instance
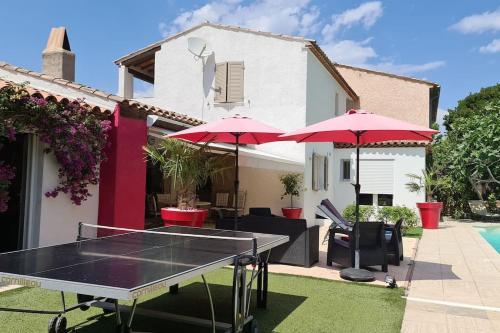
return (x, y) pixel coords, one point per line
(360, 127)
(236, 130)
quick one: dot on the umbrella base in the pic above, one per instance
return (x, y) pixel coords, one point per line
(357, 275)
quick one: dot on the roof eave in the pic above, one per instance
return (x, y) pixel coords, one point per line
(330, 66)
(396, 76)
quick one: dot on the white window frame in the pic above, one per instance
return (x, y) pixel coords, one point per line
(342, 167)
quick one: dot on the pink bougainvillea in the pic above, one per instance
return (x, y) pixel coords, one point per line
(73, 132)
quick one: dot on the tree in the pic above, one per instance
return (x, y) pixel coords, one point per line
(470, 152)
(292, 184)
(472, 104)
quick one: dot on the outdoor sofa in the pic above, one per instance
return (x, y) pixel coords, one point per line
(301, 250)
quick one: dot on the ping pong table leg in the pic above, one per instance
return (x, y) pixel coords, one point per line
(262, 284)
(238, 305)
(119, 326)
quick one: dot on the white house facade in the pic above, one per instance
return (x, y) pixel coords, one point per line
(284, 81)
(284, 84)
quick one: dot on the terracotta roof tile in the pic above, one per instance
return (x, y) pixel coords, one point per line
(134, 105)
(47, 95)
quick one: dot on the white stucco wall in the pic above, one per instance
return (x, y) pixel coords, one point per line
(321, 94)
(259, 177)
(59, 217)
(274, 81)
(406, 160)
(285, 86)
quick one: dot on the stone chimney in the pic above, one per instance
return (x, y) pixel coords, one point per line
(57, 58)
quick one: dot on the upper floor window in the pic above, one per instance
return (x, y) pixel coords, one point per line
(229, 82)
(345, 170)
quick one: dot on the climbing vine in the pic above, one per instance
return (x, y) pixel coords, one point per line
(72, 131)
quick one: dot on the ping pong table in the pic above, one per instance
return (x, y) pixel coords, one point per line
(132, 264)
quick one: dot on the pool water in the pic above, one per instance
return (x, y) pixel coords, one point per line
(492, 236)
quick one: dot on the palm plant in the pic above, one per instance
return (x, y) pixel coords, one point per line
(189, 167)
(428, 182)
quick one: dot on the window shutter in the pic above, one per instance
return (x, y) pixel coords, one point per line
(376, 176)
(220, 82)
(325, 172)
(337, 104)
(349, 104)
(235, 81)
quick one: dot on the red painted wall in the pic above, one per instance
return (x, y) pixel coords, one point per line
(122, 188)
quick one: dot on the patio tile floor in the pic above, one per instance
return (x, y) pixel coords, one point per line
(454, 264)
(321, 270)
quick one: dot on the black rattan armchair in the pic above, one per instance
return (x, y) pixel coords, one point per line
(372, 246)
(394, 244)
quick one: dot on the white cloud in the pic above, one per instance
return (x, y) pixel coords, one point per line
(479, 23)
(406, 69)
(300, 17)
(279, 16)
(492, 47)
(350, 51)
(440, 119)
(366, 14)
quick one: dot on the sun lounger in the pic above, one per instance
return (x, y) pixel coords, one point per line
(479, 211)
(327, 208)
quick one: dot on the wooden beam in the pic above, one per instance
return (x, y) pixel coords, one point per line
(142, 75)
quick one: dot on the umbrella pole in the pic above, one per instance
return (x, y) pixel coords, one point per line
(236, 182)
(357, 274)
(357, 189)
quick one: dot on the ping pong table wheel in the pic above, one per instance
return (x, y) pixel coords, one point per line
(58, 324)
(52, 325)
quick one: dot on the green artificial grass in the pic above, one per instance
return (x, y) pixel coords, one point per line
(414, 232)
(295, 304)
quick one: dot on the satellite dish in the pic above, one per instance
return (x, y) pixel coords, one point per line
(199, 47)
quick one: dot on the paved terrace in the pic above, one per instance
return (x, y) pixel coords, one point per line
(456, 282)
(321, 270)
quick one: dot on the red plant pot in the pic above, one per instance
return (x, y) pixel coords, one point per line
(292, 213)
(187, 218)
(430, 213)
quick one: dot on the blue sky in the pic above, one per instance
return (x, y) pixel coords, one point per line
(454, 43)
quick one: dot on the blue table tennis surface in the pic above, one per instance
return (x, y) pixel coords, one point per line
(132, 260)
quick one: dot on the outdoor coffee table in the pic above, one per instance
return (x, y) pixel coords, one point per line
(134, 264)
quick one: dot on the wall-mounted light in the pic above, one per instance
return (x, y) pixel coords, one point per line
(150, 120)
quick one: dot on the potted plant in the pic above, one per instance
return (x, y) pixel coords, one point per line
(292, 184)
(430, 211)
(190, 168)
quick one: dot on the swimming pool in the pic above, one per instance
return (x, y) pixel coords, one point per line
(492, 236)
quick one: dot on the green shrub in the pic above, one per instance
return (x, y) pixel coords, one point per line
(365, 212)
(393, 213)
(491, 202)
